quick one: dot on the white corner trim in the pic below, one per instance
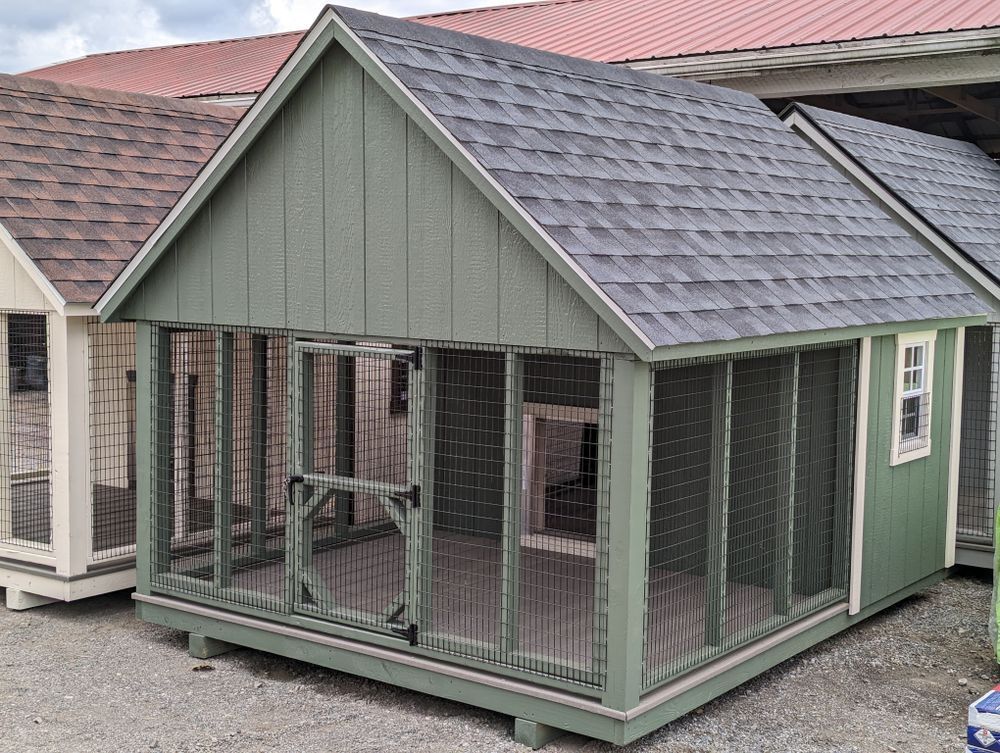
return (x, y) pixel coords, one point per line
(951, 528)
(44, 284)
(930, 362)
(221, 153)
(804, 126)
(513, 203)
(860, 476)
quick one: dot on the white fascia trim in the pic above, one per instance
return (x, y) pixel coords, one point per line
(10, 243)
(951, 528)
(512, 203)
(801, 124)
(754, 62)
(227, 146)
(903, 339)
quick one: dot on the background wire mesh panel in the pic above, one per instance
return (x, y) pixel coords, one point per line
(112, 438)
(25, 429)
(750, 478)
(357, 499)
(977, 464)
(221, 449)
(515, 510)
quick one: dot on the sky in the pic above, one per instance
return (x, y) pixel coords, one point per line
(35, 33)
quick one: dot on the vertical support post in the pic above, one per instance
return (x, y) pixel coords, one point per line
(223, 482)
(6, 436)
(295, 465)
(511, 533)
(69, 472)
(425, 556)
(958, 378)
(847, 380)
(258, 445)
(718, 505)
(415, 512)
(994, 424)
(785, 526)
(860, 477)
(344, 418)
(305, 418)
(599, 650)
(630, 427)
(154, 452)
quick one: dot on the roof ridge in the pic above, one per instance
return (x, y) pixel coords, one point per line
(487, 8)
(41, 87)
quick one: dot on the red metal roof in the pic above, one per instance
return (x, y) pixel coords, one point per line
(228, 66)
(606, 30)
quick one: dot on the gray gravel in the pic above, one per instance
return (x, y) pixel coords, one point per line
(88, 677)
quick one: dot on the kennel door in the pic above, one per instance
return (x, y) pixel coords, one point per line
(353, 501)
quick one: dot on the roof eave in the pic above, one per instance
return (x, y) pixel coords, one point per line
(44, 284)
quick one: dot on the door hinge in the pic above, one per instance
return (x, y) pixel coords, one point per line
(409, 632)
(415, 358)
(290, 483)
(415, 496)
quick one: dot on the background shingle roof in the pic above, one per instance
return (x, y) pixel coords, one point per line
(693, 207)
(86, 174)
(952, 184)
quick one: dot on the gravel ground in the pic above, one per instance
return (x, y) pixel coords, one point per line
(88, 677)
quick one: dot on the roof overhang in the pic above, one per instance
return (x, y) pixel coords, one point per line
(9, 242)
(938, 59)
(983, 284)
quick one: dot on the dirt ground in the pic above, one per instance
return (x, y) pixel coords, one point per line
(88, 677)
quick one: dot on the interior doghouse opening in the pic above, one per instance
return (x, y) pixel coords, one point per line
(751, 462)
(977, 463)
(25, 431)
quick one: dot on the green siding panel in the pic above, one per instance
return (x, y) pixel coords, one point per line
(476, 252)
(905, 505)
(343, 190)
(344, 217)
(229, 250)
(304, 253)
(429, 213)
(266, 228)
(385, 213)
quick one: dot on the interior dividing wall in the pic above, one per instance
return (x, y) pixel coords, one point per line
(344, 217)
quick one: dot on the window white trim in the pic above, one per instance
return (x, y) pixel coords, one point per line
(923, 375)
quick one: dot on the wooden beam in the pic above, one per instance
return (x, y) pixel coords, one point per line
(718, 506)
(258, 444)
(958, 96)
(511, 538)
(223, 485)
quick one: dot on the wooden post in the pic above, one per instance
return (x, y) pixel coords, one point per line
(415, 511)
(424, 564)
(511, 534)
(630, 427)
(223, 486)
(599, 650)
(258, 445)
(154, 452)
(296, 461)
(344, 418)
(718, 505)
(847, 381)
(788, 397)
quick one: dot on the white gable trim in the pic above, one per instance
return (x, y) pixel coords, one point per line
(48, 290)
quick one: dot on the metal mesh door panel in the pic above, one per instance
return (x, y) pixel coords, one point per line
(977, 459)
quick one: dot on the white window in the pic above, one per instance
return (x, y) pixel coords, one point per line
(912, 406)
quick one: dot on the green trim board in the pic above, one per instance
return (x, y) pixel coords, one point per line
(559, 709)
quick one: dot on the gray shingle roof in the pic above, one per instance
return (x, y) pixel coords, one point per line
(951, 184)
(693, 207)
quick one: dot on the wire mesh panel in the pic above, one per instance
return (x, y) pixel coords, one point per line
(112, 438)
(977, 459)
(219, 459)
(515, 510)
(750, 478)
(25, 431)
(356, 510)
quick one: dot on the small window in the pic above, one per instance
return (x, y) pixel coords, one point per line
(912, 409)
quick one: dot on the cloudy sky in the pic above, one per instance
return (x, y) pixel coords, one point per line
(34, 33)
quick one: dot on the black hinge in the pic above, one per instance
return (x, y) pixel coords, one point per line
(415, 358)
(290, 483)
(415, 496)
(409, 632)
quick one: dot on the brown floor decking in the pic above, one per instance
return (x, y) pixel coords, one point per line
(555, 597)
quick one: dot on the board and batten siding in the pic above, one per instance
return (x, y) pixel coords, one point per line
(18, 291)
(905, 505)
(344, 217)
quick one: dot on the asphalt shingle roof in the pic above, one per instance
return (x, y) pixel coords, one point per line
(86, 174)
(952, 184)
(693, 207)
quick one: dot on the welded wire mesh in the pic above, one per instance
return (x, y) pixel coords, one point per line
(977, 457)
(25, 431)
(219, 459)
(112, 438)
(749, 499)
(515, 510)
